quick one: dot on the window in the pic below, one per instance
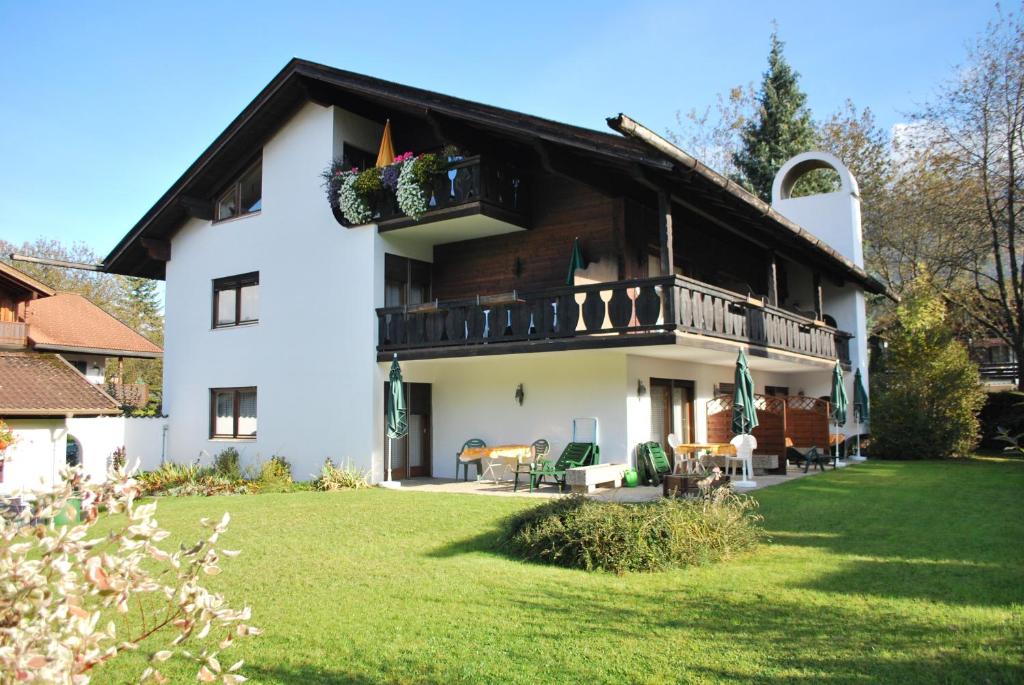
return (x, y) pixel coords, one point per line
(406, 281)
(244, 196)
(776, 391)
(233, 413)
(358, 158)
(236, 300)
(724, 389)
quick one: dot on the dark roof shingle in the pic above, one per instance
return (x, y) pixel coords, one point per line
(36, 384)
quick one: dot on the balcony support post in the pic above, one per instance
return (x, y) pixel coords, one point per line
(773, 280)
(819, 306)
(668, 266)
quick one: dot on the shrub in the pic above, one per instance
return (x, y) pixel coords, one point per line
(179, 480)
(927, 390)
(653, 536)
(275, 474)
(59, 581)
(227, 464)
(345, 477)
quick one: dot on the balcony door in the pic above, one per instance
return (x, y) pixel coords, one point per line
(671, 411)
(410, 456)
(406, 281)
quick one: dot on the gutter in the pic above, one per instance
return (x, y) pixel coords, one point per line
(101, 351)
(631, 128)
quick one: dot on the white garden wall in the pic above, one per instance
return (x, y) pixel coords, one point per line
(37, 456)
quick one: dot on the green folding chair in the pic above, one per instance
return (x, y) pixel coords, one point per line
(574, 455)
(653, 463)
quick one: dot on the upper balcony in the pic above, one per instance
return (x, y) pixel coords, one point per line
(647, 311)
(488, 196)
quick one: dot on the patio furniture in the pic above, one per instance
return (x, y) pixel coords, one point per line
(466, 458)
(681, 485)
(745, 445)
(575, 454)
(652, 463)
(585, 479)
(501, 461)
(810, 456)
(541, 448)
(689, 457)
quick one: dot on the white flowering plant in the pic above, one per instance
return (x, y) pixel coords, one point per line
(414, 184)
(61, 586)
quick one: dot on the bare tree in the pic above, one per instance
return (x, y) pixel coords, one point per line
(977, 123)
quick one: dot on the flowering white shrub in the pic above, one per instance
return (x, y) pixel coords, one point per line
(57, 582)
(353, 205)
(412, 196)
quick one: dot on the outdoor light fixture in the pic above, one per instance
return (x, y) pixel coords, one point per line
(641, 389)
(520, 395)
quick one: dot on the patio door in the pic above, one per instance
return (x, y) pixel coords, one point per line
(410, 456)
(671, 411)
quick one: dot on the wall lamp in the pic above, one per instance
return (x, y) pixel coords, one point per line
(641, 389)
(520, 394)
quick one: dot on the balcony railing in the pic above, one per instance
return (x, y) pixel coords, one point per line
(13, 333)
(470, 185)
(653, 305)
(1006, 371)
(129, 394)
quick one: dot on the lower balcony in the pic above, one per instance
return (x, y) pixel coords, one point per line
(649, 311)
(13, 334)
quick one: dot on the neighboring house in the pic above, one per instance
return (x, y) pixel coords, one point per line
(999, 366)
(282, 319)
(53, 351)
(34, 316)
(39, 394)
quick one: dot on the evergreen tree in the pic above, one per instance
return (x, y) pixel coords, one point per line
(781, 128)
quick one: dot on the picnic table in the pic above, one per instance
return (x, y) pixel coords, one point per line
(498, 460)
(686, 453)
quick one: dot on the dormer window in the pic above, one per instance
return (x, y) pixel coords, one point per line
(244, 196)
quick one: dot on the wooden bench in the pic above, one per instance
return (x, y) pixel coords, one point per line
(585, 479)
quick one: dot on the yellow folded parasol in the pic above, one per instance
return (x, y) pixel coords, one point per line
(386, 155)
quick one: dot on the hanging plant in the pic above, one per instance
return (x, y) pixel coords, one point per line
(6, 438)
(354, 206)
(333, 176)
(414, 184)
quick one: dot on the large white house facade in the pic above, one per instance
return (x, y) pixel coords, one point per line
(282, 318)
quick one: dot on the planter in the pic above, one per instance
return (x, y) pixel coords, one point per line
(70, 514)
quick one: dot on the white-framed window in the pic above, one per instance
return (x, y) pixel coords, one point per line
(233, 413)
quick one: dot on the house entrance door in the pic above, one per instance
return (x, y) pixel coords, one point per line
(671, 412)
(410, 456)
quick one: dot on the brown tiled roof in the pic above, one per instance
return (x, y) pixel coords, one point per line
(38, 384)
(70, 322)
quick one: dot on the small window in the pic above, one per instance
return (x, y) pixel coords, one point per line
(358, 158)
(233, 413)
(243, 196)
(236, 300)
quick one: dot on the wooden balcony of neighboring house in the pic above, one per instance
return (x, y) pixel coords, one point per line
(135, 395)
(13, 334)
(494, 192)
(647, 311)
(1002, 372)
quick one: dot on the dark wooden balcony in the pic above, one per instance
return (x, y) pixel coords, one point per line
(1005, 372)
(619, 313)
(470, 185)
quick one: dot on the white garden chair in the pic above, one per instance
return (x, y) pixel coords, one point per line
(745, 445)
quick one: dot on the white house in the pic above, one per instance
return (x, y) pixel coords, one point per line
(282, 317)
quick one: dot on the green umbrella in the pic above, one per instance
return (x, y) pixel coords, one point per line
(397, 417)
(860, 398)
(744, 413)
(575, 262)
(838, 396)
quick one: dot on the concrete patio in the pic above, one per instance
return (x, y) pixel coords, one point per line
(637, 494)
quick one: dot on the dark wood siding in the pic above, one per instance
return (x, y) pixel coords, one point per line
(562, 210)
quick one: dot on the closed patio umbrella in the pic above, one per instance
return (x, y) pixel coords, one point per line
(576, 261)
(838, 400)
(744, 413)
(861, 408)
(386, 154)
(397, 416)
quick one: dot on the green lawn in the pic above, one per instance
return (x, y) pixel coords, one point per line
(896, 572)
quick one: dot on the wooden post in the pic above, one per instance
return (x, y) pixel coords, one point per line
(819, 307)
(773, 280)
(120, 370)
(665, 234)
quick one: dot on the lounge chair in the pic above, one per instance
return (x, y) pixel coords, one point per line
(816, 457)
(652, 463)
(574, 455)
(472, 442)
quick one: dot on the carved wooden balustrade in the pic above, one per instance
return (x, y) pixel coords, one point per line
(623, 308)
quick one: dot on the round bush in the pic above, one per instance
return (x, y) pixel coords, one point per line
(653, 536)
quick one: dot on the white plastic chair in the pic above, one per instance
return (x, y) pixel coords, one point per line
(680, 459)
(745, 445)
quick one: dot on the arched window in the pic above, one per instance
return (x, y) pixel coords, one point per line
(73, 454)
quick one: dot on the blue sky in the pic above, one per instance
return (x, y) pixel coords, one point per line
(104, 104)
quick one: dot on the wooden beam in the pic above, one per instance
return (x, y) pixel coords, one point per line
(665, 233)
(157, 249)
(773, 280)
(819, 305)
(197, 207)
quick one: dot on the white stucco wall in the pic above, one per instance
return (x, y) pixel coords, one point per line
(37, 456)
(95, 365)
(312, 354)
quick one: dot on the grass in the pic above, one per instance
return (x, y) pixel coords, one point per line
(896, 572)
